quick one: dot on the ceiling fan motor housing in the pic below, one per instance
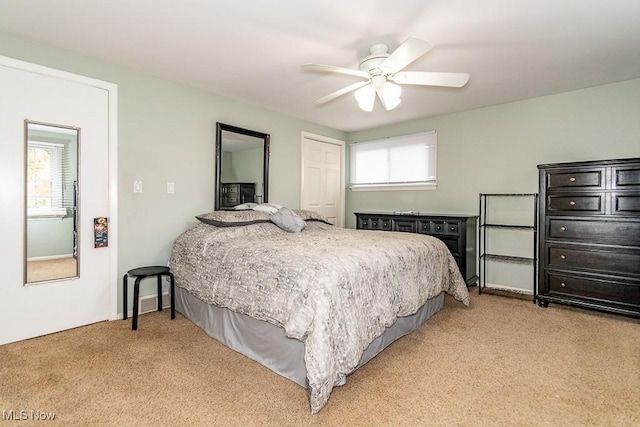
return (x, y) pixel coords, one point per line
(371, 64)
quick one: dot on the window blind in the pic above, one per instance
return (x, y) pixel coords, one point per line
(401, 160)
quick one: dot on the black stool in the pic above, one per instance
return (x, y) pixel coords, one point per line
(139, 274)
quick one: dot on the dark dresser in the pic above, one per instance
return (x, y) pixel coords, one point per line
(458, 232)
(235, 193)
(589, 239)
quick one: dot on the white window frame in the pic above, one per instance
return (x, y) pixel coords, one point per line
(431, 138)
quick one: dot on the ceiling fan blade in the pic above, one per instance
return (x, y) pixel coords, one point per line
(340, 92)
(412, 49)
(334, 69)
(430, 78)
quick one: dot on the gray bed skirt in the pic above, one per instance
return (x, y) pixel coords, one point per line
(267, 344)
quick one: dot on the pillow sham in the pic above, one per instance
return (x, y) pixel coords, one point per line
(233, 218)
(311, 216)
(288, 220)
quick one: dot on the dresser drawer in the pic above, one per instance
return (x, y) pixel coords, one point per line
(623, 233)
(584, 179)
(595, 290)
(230, 198)
(594, 204)
(374, 223)
(424, 226)
(625, 204)
(439, 227)
(608, 262)
(626, 177)
(405, 225)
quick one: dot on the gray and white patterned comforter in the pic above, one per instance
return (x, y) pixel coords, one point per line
(334, 289)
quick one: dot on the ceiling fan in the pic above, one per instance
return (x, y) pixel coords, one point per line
(383, 73)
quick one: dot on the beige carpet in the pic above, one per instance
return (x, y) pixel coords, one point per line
(503, 362)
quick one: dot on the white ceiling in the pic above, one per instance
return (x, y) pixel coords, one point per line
(251, 51)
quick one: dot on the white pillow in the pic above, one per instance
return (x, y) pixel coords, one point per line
(267, 207)
(245, 206)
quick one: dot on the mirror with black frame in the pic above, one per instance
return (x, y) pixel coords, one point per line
(51, 202)
(242, 166)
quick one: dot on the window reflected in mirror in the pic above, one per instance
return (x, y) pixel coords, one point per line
(51, 202)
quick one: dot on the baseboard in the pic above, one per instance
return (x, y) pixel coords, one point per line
(495, 289)
(50, 257)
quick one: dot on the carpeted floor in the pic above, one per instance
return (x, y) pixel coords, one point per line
(502, 362)
(51, 269)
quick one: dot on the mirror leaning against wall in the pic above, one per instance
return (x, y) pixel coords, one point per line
(51, 202)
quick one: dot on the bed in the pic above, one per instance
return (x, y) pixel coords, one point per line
(312, 303)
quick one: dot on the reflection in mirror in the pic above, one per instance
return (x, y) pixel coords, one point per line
(242, 162)
(51, 202)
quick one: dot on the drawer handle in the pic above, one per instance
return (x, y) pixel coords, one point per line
(572, 179)
(452, 229)
(563, 285)
(375, 224)
(563, 257)
(572, 203)
(438, 228)
(563, 228)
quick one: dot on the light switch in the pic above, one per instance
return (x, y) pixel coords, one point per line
(137, 186)
(171, 188)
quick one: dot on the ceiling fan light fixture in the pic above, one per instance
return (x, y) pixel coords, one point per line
(391, 95)
(366, 96)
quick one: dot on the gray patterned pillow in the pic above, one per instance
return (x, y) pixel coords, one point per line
(311, 216)
(233, 218)
(288, 220)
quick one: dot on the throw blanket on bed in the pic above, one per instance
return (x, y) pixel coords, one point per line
(334, 289)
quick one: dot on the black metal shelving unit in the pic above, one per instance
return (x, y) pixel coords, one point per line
(484, 256)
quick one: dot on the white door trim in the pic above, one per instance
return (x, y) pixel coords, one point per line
(112, 90)
(327, 140)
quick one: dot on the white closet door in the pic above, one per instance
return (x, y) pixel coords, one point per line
(322, 178)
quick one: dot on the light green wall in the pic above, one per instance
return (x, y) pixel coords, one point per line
(49, 237)
(241, 167)
(166, 133)
(496, 149)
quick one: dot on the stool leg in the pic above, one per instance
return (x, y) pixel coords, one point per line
(124, 297)
(172, 281)
(159, 292)
(136, 293)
